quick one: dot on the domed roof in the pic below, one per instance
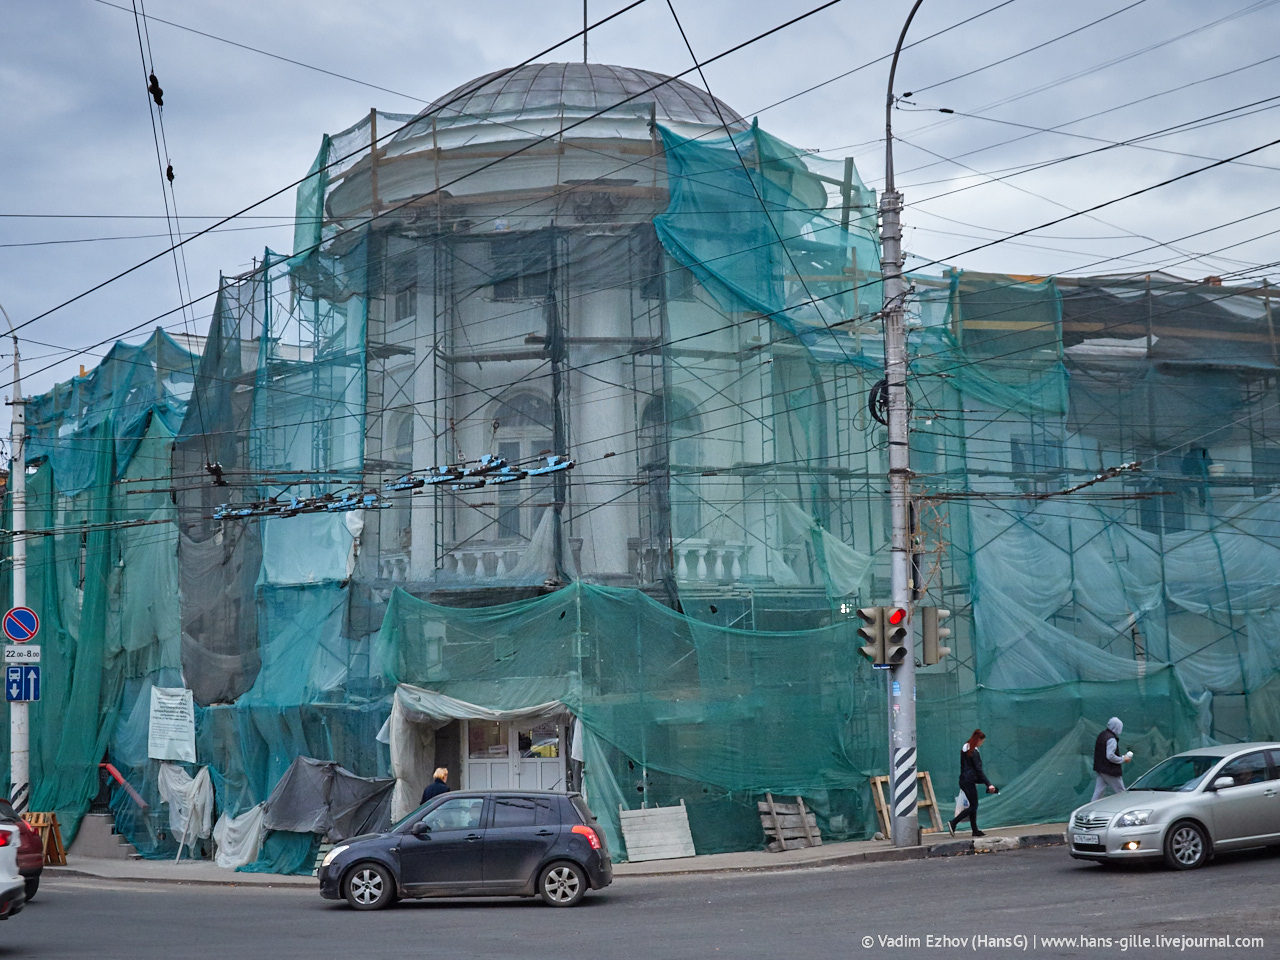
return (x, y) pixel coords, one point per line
(576, 89)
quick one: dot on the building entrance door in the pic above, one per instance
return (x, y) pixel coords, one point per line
(514, 755)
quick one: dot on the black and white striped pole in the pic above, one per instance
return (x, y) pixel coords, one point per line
(902, 675)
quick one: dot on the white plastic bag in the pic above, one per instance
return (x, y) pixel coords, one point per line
(962, 803)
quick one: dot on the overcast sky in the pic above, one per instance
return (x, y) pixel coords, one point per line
(82, 198)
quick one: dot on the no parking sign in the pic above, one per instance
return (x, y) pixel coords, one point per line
(21, 624)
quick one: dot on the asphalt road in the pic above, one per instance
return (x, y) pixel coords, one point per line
(820, 913)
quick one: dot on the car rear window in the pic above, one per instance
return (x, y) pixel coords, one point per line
(583, 810)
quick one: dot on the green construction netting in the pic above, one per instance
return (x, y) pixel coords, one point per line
(694, 319)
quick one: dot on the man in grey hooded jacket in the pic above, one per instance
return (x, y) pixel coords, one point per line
(1108, 762)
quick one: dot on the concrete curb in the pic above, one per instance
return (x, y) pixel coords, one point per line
(231, 880)
(961, 848)
(949, 848)
(831, 855)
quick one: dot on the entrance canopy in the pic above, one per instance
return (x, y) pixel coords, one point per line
(416, 713)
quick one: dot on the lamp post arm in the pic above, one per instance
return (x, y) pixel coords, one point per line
(888, 106)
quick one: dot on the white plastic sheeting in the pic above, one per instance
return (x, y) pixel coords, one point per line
(239, 838)
(537, 562)
(190, 801)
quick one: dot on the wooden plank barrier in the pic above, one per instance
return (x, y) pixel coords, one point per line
(925, 802)
(656, 833)
(46, 824)
(788, 826)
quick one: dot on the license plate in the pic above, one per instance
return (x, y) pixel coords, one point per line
(1084, 838)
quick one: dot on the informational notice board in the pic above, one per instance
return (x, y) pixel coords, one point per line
(172, 734)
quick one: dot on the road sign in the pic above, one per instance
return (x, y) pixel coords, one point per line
(26, 653)
(21, 624)
(21, 683)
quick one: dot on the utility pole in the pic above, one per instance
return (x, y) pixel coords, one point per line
(901, 678)
(19, 727)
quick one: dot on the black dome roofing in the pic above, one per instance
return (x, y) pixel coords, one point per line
(538, 87)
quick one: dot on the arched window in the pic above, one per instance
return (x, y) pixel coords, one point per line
(522, 424)
(671, 442)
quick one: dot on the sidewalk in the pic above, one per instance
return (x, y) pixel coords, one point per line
(997, 840)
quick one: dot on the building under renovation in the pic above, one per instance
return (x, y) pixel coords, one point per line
(553, 454)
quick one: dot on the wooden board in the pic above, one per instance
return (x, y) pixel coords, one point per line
(656, 833)
(925, 801)
(46, 824)
(788, 826)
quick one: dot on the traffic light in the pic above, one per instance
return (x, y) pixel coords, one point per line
(872, 631)
(932, 634)
(895, 635)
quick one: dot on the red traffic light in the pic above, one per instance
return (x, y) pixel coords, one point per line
(895, 615)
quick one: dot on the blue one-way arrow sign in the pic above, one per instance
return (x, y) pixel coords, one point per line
(21, 683)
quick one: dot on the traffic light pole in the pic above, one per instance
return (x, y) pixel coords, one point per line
(19, 728)
(902, 678)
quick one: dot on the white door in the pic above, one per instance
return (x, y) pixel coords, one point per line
(527, 755)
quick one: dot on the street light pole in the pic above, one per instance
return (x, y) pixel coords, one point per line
(901, 678)
(19, 726)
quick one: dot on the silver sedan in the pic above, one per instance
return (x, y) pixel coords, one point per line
(1186, 809)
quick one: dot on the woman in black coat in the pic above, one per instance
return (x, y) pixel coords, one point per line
(971, 775)
(438, 785)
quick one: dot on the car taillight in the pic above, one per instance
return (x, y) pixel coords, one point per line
(589, 834)
(4, 838)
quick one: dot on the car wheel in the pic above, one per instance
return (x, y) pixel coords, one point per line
(33, 884)
(1186, 846)
(562, 884)
(368, 886)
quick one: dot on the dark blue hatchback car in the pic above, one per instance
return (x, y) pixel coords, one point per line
(489, 843)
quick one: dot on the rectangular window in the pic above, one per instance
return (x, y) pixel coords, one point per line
(661, 275)
(1266, 469)
(510, 494)
(1036, 461)
(666, 278)
(485, 740)
(406, 304)
(1175, 513)
(1035, 455)
(521, 270)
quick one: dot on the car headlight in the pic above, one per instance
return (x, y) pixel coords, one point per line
(334, 853)
(1134, 818)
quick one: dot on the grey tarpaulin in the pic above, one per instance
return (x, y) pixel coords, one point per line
(316, 796)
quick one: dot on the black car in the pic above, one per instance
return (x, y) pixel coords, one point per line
(489, 843)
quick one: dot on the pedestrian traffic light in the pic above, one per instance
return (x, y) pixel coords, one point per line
(872, 631)
(932, 633)
(895, 635)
